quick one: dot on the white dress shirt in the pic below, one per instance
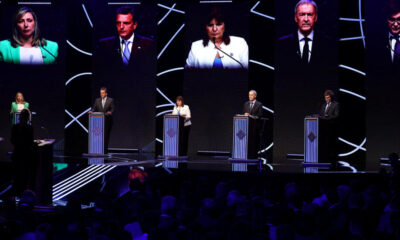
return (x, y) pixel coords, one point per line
(392, 44)
(122, 44)
(183, 111)
(302, 42)
(103, 102)
(20, 107)
(203, 57)
(30, 56)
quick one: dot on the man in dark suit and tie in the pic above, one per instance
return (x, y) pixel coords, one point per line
(128, 48)
(306, 65)
(329, 113)
(105, 105)
(253, 107)
(329, 109)
(126, 63)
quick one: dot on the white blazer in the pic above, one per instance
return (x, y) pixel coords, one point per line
(203, 57)
(185, 111)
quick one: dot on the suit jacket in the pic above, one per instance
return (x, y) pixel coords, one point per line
(109, 50)
(108, 106)
(256, 111)
(10, 54)
(333, 111)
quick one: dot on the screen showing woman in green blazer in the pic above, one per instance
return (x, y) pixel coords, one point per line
(27, 46)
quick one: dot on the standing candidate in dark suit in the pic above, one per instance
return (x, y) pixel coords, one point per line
(253, 107)
(329, 112)
(105, 105)
(306, 65)
(329, 109)
(125, 62)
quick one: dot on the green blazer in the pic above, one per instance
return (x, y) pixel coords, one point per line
(10, 54)
(14, 108)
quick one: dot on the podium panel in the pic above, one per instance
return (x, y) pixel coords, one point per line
(318, 143)
(173, 132)
(16, 116)
(311, 139)
(244, 134)
(96, 133)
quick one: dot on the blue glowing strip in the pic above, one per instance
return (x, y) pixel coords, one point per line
(73, 190)
(260, 14)
(169, 42)
(162, 94)
(87, 15)
(352, 93)
(77, 75)
(352, 69)
(81, 181)
(262, 64)
(169, 70)
(73, 176)
(77, 179)
(77, 49)
(172, 9)
(166, 15)
(165, 105)
(351, 38)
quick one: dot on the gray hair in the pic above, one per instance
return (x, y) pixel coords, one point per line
(305, 2)
(253, 91)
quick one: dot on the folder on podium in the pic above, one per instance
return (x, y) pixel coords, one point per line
(316, 143)
(96, 133)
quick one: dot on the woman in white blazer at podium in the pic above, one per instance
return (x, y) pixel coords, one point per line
(212, 50)
(184, 111)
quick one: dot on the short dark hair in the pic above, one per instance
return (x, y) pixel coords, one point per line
(103, 88)
(217, 14)
(124, 10)
(180, 98)
(329, 93)
(391, 7)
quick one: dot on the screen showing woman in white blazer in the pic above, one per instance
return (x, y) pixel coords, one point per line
(218, 49)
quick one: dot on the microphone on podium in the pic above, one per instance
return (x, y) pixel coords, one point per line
(234, 59)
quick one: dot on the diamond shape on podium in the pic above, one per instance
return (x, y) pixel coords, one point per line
(241, 134)
(311, 137)
(171, 132)
(96, 131)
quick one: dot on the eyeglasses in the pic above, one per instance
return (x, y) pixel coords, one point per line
(392, 20)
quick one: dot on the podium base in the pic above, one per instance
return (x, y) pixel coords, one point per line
(244, 165)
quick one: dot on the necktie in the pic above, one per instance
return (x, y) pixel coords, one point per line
(103, 102)
(304, 58)
(127, 54)
(327, 107)
(251, 105)
(396, 57)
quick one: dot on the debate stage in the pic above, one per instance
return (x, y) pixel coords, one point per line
(85, 178)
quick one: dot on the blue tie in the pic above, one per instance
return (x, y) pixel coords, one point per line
(127, 53)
